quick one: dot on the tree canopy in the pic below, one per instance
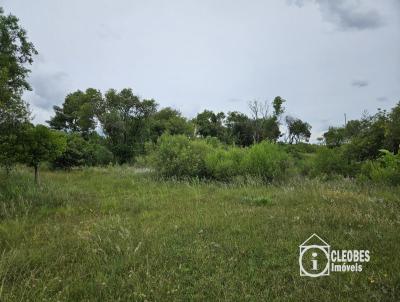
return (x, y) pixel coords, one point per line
(16, 52)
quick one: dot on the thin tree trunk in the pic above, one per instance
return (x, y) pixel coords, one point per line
(36, 174)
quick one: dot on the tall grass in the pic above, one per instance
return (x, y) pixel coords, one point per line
(117, 235)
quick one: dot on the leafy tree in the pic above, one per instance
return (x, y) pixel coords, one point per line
(100, 155)
(78, 112)
(240, 128)
(335, 136)
(169, 120)
(393, 130)
(75, 152)
(81, 152)
(278, 106)
(270, 129)
(15, 53)
(42, 144)
(266, 126)
(125, 120)
(298, 130)
(211, 124)
(371, 138)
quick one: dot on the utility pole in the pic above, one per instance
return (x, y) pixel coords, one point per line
(345, 119)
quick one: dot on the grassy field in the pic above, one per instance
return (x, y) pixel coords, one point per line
(118, 235)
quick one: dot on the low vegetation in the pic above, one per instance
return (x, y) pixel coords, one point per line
(113, 234)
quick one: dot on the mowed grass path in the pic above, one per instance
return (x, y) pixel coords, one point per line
(116, 235)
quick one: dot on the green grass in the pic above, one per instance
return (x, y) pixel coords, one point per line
(116, 235)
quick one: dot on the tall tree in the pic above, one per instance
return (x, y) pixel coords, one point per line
(265, 125)
(211, 124)
(393, 129)
(170, 121)
(240, 128)
(125, 120)
(78, 112)
(16, 52)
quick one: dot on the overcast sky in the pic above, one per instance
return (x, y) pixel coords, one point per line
(326, 58)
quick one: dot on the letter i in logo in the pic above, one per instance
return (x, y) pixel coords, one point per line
(314, 262)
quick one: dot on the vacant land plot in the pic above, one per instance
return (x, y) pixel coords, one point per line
(114, 234)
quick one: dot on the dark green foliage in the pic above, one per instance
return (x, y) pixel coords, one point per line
(170, 121)
(81, 152)
(15, 53)
(74, 154)
(335, 137)
(334, 162)
(78, 112)
(392, 134)
(265, 126)
(364, 138)
(101, 156)
(126, 122)
(211, 124)
(366, 144)
(240, 128)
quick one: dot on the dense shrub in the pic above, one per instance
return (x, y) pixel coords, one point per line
(223, 164)
(334, 161)
(386, 169)
(266, 160)
(297, 150)
(74, 154)
(99, 155)
(179, 156)
(304, 164)
(80, 152)
(330, 162)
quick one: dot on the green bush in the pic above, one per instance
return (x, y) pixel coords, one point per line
(386, 169)
(334, 161)
(179, 156)
(304, 164)
(74, 155)
(266, 160)
(224, 164)
(81, 152)
(101, 156)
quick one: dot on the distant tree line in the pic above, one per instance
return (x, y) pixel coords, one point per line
(128, 122)
(91, 128)
(362, 139)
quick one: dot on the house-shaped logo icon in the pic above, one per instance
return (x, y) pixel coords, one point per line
(314, 259)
